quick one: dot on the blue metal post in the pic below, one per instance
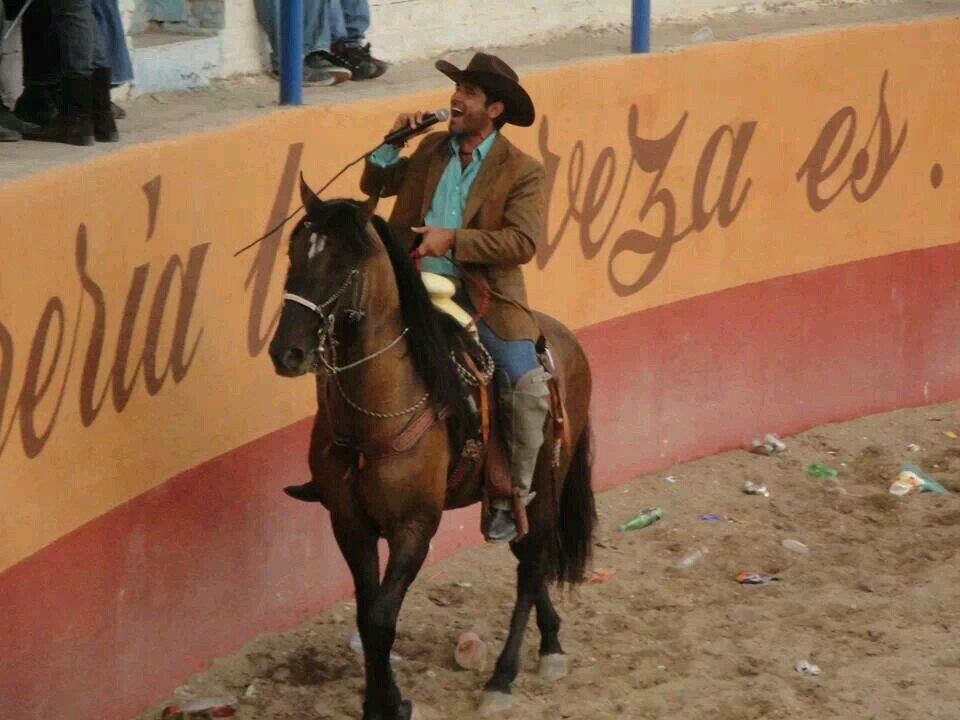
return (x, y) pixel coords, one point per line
(640, 39)
(291, 52)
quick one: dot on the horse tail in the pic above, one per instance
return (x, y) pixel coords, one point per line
(577, 514)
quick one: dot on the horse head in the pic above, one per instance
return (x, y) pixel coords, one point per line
(327, 252)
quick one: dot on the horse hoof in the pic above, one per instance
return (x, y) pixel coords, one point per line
(494, 702)
(554, 667)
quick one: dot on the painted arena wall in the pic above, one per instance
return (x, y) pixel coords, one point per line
(748, 237)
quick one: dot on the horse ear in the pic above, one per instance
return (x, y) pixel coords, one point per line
(306, 194)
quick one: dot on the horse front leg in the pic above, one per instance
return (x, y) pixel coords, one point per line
(497, 695)
(358, 544)
(409, 543)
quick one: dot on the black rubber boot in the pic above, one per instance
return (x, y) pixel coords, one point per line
(74, 124)
(104, 124)
(37, 104)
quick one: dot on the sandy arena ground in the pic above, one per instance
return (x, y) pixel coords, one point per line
(873, 602)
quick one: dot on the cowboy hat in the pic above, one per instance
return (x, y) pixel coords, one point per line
(496, 77)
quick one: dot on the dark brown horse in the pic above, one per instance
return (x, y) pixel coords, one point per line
(356, 311)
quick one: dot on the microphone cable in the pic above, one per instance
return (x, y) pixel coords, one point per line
(346, 167)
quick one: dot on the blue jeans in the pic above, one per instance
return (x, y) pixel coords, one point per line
(515, 357)
(323, 22)
(107, 13)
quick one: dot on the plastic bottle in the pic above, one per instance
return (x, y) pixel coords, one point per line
(644, 519)
(818, 470)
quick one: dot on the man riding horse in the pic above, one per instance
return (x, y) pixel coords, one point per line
(468, 198)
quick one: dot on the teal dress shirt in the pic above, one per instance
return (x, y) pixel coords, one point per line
(450, 198)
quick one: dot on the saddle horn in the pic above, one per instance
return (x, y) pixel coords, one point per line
(369, 206)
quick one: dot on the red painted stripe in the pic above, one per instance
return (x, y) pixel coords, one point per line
(111, 617)
(708, 374)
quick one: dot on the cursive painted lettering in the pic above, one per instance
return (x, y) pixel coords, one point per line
(823, 161)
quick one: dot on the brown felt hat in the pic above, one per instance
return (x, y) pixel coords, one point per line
(496, 77)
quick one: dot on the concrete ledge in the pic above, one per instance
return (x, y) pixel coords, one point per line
(169, 61)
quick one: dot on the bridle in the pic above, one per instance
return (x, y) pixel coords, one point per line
(326, 350)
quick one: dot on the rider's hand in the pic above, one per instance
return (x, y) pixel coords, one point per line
(405, 120)
(436, 241)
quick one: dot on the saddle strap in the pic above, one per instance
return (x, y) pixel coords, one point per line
(561, 430)
(405, 440)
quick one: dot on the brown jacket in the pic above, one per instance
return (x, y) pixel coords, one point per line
(502, 223)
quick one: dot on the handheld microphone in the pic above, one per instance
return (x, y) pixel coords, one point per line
(398, 137)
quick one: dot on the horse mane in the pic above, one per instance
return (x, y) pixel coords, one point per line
(431, 334)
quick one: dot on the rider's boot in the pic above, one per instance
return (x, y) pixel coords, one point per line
(524, 407)
(307, 492)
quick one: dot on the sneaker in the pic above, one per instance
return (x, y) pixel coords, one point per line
(357, 58)
(322, 71)
(316, 71)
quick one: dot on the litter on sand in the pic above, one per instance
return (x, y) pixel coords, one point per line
(643, 519)
(770, 445)
(753, 578)
(913, 480)
(600, 575)
(795, 546)
(201, 708)
(807, 668)
(752, 488)
(819, 470)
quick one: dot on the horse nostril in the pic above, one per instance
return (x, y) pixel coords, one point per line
(293, 358)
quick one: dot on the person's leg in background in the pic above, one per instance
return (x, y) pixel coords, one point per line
(350, 48)
(10, 124)
(323, 26)
(85, 106)
(107, 14)
(317, 20)
(41, 66)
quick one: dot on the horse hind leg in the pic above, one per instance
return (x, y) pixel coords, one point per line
(497, 695)
(553, 661)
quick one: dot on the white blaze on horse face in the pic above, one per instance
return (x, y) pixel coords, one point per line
(317, 244)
